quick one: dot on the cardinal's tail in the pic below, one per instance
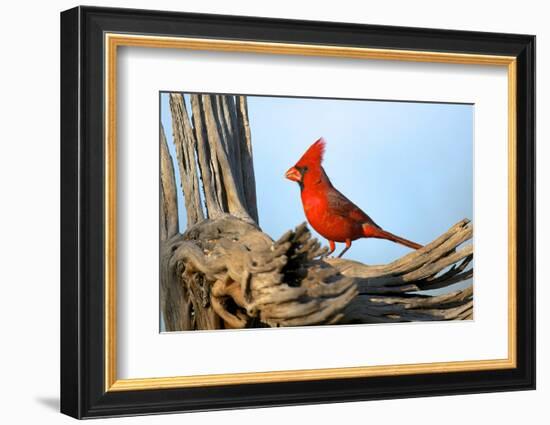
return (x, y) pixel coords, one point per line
(372, 232)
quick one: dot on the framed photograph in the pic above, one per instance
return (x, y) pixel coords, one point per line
(261, 212)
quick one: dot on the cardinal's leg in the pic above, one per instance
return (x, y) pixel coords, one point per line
(348, 246)
(332, 248)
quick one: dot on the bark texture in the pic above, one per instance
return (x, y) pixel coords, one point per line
(224, 272)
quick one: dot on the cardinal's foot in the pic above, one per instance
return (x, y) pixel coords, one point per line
(327, 255)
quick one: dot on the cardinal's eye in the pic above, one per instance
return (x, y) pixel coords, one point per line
(302, 170)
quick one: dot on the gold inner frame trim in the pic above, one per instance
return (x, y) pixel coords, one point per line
(113, 41)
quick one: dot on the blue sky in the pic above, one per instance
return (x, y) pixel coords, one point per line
(408, 165)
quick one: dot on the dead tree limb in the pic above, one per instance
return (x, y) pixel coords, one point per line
(185, 142)
(168, 197)
(224, 272)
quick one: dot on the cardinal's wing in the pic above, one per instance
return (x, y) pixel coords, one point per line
(339, 204)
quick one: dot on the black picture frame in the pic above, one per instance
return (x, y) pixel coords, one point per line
(83, 392)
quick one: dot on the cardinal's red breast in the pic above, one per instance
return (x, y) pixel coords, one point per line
(331, 225)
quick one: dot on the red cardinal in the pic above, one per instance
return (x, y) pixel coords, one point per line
(329, 212)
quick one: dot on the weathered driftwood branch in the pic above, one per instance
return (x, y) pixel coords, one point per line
(235, 271)
(246, 279)
(185, 147)
(390, 292)
(168, 196)
(224, 272)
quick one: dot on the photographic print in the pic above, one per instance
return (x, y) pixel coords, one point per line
(287, 211)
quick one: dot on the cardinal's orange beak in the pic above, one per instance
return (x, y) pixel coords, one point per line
(293, 174)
